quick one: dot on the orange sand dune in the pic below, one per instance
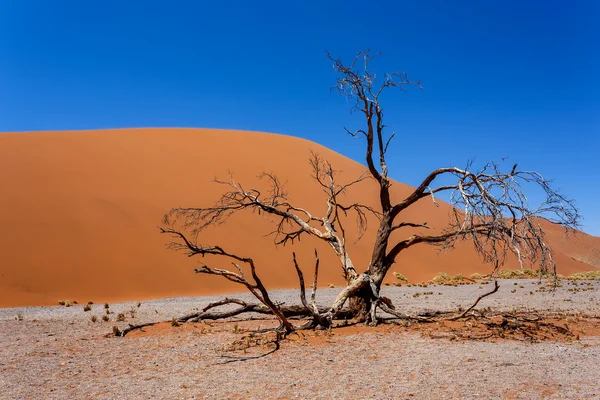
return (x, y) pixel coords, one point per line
(79, 213)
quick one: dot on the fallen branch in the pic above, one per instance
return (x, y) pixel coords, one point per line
(496, 287)
(386, 308)
(133, 328)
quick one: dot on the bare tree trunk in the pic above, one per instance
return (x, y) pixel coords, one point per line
(360, 305)
(362, 301)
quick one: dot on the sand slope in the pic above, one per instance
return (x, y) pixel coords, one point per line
(80, 209)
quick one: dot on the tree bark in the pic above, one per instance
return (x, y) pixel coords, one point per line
(360, 304)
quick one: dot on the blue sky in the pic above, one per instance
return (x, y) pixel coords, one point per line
(516, 79)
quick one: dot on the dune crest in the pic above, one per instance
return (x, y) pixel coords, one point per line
(80, 211)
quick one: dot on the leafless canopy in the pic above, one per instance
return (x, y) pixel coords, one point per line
(490, 208)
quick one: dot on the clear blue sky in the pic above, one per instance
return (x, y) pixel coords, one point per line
(517, 79)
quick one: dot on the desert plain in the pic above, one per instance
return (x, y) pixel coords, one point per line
(81, 210)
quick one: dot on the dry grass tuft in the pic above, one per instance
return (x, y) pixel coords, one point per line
(400, 277)
(510, 274)
(588, 275)
(442, 278)
(525, 274)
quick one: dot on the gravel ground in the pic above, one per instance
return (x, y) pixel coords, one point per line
(59, 353)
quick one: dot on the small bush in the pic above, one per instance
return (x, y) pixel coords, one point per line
(476, 276)
(106, 305)
(530, 273)
(588, 275)
(105, 318)
(442, 278)
(94, 318)
(87, 307)
(120, 317)
(510, 274)
(174, 322)
(400, 277)
(116, 331)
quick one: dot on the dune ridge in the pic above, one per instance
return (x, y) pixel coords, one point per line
(80, 211)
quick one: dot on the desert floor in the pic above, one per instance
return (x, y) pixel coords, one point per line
(59, 353)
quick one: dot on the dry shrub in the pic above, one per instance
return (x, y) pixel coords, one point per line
(442, 278)
(510, 274)
(174, 322)
(94, 318)
(400, 277)
(120, 317)
(87, 307)
(587, 275)
(530, 273)
(105, 318)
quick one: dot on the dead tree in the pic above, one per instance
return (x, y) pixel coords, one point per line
(490, 209)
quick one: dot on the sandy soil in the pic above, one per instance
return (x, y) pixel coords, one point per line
(83, 207)
(58, 353)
